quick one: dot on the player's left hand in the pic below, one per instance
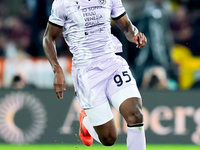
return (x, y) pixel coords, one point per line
(140, 40)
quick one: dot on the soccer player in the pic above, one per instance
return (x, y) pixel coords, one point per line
(99, 75)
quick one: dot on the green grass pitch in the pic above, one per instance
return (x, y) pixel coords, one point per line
(94, 147)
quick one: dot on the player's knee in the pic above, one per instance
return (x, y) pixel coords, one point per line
(135, 117)
(109, 140)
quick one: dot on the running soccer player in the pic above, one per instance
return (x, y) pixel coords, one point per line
(99, 75)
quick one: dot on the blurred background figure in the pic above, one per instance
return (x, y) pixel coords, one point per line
(171, 27)
(154, 77)
(154, 21)
(18, 82)
(185, 25)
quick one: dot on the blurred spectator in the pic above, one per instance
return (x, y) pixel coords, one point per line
(154, 18)
(186, 31)
(37, 20)
(164, 22)
(18, 82)
(19, 33)
(154, 77)
(7, 48)
(181, 26)
(186, 24)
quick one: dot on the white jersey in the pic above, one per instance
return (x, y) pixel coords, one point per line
(86, 27)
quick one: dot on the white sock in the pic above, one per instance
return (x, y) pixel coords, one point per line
(136, 138)
(90, 128)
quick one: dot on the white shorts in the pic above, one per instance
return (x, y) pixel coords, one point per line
(102, 82)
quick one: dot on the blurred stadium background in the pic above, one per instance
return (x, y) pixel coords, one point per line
(167, 71)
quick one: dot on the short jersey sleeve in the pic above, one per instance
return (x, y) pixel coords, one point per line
(58, 14)
(117, 9)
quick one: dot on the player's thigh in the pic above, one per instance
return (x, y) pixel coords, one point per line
(122, 86)
(101, 118)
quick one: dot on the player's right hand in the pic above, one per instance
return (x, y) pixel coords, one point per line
(140, 40)
(59, 83)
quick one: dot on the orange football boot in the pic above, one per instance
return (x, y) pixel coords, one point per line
(85, 136)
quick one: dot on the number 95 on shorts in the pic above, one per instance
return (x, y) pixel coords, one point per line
(98, 83)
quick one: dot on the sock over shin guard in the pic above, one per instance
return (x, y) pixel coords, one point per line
(90, 128)
(136, 137)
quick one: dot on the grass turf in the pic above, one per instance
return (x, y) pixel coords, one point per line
(94, 147)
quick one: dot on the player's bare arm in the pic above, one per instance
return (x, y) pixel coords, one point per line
(131, 32)
(49, 47)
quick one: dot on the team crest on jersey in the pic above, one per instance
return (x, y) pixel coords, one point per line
(102, 2)
(52, 12)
